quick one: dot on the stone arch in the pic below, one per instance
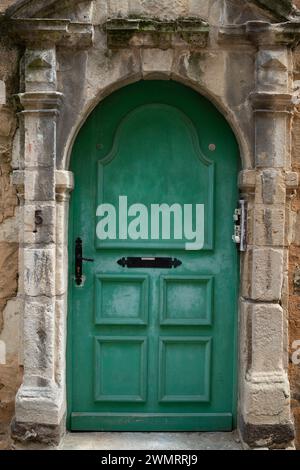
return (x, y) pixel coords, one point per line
(102, 93)
(40, 402)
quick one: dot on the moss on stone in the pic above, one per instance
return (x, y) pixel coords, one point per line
(120, 31)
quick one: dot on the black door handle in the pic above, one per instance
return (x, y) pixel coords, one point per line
(78, 261)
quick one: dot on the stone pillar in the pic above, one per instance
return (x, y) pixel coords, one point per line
(265, 395)
(43, 191)
(64, 185)
(40, 400)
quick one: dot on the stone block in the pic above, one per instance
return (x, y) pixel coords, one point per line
(35, 406)
(266, 400)
(39, 271)
(157, 61)
(39, 323)
(272, 70)
(39, 223)
(271, 137)
(266, 274)
(269, 226)
(39, 185)
(39, 141)
(270, 187)
(292, 180)
(267, 436)
(40, 69)
(267, 338)
(247, 180)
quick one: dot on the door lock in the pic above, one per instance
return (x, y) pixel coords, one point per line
(240, 226)
(78, 261)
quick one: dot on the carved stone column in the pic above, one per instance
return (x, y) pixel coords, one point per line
(41, 400)
(265, 395)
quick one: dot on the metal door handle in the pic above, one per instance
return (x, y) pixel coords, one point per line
(78, 261)
(149, 262)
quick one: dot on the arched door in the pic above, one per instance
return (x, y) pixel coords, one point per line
(152, 320)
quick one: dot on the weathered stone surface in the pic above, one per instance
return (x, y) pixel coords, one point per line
(10, 371)
(270, 187)
(40, 69)
(156, 62)
(268, 226)
(10, 380)
(8, 271)
(26, 434)
(266, 398)
(7, 127)
(39, 141)
(272, 436)
(247, 180)
(39, 276)
(267, 337)
(40, 185)
(38, 342)
(267, 274)
(271, 141)
(40, 404)
(39, 223)
(8, 197)
(272, 70)
(226, 75)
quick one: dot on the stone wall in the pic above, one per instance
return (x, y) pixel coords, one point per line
(110, 69)
(9, 310)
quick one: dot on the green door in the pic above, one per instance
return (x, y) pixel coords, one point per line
(152, 326)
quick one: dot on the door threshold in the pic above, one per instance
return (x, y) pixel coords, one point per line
(151, 441)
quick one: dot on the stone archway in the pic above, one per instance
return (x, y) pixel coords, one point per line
(54, 103)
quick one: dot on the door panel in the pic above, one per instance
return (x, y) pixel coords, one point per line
(153, 348)
(151, 172)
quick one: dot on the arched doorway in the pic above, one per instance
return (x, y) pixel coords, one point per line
(152, 320)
